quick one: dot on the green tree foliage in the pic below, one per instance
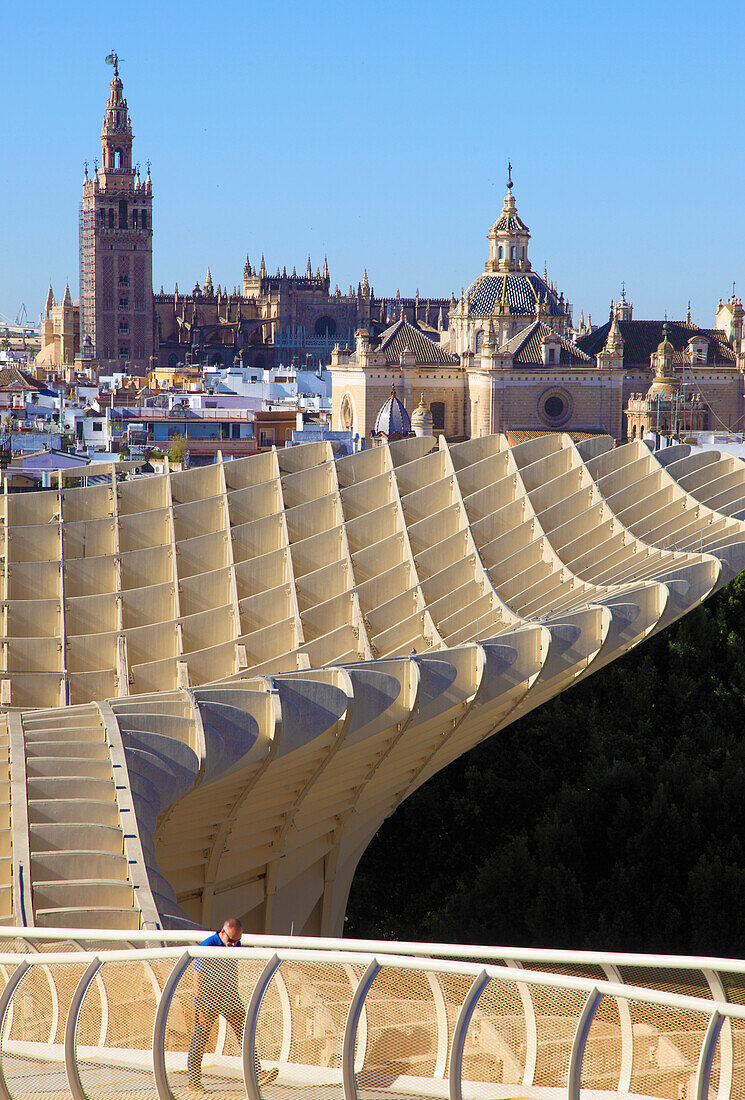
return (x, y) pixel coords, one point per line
(613, 817)
(177, 448)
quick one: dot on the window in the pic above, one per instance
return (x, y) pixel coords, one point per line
(266, 438)
(97, 426)
(325, 326)
(513, 251)
(124, 328)
(124, 280)
(102, 218)
(552, 356)
(501, 252)
(124, 353)
(144, 219)
(554, 406)
(123, 214)
(437, 408)
(111, 219)
(134, 219)
(124, 303)
(117, 158)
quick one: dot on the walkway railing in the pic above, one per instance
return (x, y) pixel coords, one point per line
(350, 1024)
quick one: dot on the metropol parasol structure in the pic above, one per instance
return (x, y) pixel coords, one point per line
(218, 682)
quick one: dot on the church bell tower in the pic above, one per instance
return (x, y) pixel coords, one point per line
(116, 247)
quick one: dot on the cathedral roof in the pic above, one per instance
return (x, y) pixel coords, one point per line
(527, 347)
(642, 338)
(519, 290)
(405, 337)
(392, 419)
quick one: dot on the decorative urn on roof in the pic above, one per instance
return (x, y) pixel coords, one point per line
(421, 419)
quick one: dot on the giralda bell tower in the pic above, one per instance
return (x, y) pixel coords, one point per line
(116, 248)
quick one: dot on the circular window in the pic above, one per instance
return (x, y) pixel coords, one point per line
(555, 406)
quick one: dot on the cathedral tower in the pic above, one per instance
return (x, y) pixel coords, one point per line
(116, 247)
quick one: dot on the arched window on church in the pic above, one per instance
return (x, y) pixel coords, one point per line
(633, 432)
(479, 340)
(437, 408)
(144, 219)
(513, 251)
(134, 218)
(111, 219)
(501, 252)
(123, 214)
(117, 158)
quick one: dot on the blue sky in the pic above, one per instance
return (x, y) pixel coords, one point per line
(379, 134)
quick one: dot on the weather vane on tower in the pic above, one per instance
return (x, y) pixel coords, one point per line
(113, 59)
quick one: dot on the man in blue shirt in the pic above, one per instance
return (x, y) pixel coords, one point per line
(216, 994)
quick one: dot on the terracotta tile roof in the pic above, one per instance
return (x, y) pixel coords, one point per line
(396, 339)
(13, 378)
(519, 435)
(527, 348)
(642, 338)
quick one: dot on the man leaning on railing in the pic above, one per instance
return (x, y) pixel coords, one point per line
(216, 994)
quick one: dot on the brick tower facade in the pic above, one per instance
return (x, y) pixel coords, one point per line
(116, 248)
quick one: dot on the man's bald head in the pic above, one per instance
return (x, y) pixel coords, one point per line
(231, 931)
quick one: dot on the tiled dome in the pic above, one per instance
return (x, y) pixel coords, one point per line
(392, 419)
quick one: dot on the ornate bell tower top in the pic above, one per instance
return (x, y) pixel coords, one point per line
(508, 237)
(116, 134)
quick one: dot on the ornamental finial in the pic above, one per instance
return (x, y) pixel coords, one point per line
(509, 176)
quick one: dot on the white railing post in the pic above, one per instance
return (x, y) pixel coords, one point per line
(626, 1069)
(574, 1075)
(703, 1071)
(159, 1027)
(531, 1027)
(71, 1024)
(726, 1052)
(459, 1034)
(441, 1014)
(5, 998)
(350, 1029)
(249, 1028)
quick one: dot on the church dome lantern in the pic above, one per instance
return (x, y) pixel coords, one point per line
(508, 237)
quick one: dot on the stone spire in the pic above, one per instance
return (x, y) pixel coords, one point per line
(262, 269)
(208, 288)
(67, 300)
(614, 341)
(49, 302)
(309, 269)
(247, 268)
(326, 267)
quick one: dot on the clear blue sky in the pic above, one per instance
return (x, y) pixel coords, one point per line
(379, 133)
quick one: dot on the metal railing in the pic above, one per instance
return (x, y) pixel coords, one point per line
(348, 1024)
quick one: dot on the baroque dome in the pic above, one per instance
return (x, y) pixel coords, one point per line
(393, 418)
